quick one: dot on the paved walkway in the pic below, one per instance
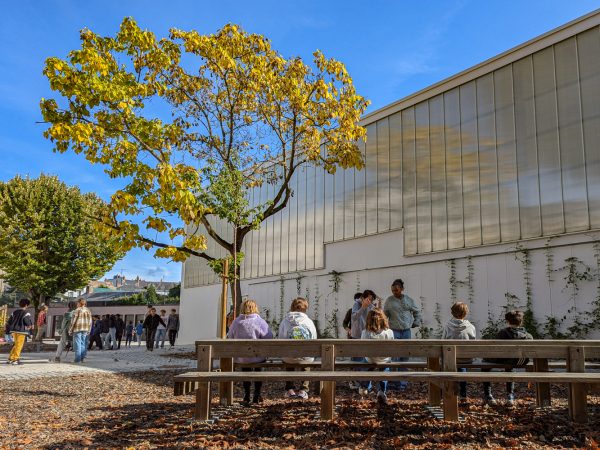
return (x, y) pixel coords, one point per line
(134, 359)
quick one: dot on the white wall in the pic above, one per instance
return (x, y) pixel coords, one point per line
(198, 313)
(373, 262)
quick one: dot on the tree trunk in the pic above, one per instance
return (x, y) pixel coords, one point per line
(237, 291)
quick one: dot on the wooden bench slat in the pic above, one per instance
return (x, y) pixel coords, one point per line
(551, 377)
(231, 348)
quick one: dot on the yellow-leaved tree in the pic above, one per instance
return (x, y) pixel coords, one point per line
(192, 122)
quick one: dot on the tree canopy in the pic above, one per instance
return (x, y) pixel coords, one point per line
(193, 122)
(49, 242)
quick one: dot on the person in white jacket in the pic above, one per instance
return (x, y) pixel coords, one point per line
(460, 328)
(297, 325)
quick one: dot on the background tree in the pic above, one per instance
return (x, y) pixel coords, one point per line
(151, 297)
(175, 291)
(49, 242)
(239, 115)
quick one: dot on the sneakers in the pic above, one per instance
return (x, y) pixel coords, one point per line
(57, 359)
(302, 394)
(382, 398)
(16, 363)
(246, 399)
(362, 391)
(510, 399)
(289, 394)
(257, 399)
(489, 400)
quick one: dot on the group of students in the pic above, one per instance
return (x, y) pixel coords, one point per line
(80, 330)
(369, 318)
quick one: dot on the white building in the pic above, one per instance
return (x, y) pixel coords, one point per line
(484, 187)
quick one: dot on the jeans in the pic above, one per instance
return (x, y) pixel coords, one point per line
(61, 345)
(40, 333)
(160, 337)
(364, 384)
(80, 344)
(18, 342)
(97, 339)
(113, 338)
(139, 339)
(382, 384)
(172, 337)
(128, 339)
(401, 334)
(257, 384)
(462, 385)
(487, 386)
(104, 338)
(150, 338)
(290, 384)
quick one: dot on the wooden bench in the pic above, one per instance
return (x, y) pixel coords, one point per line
(441, 361)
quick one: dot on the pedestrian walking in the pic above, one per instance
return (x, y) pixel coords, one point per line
(104, 330)
(161, 330)
(139, 331)
(19, 324)
(112, 331)
(41, 323)
(64, 331)
(81, 325)
(129, 333)
(150, 325)
(173, 327)
(120, 325)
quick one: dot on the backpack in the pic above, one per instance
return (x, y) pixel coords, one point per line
(299, 332)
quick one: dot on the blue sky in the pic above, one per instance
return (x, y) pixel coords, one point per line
(391, 49)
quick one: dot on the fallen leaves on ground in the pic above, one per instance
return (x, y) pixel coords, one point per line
(138, 410)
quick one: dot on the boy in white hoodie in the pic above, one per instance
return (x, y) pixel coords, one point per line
(297, 325)
(460, 328)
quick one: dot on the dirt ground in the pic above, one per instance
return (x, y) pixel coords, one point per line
(138, 410)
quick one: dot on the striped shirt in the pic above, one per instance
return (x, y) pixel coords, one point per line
(81, 321)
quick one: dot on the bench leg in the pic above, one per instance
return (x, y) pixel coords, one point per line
(450, 404)
(578, 402)
(202, 409)
(226, 388)
(577, 391)
(435, 393)
(450, 393)
(328, 387)
(327, 400)
(543, 398)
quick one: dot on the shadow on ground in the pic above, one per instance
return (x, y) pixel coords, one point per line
(360, 423)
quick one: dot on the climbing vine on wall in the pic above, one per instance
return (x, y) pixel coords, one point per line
(523, 255)
(495, 324)
(281, 297)
(575, 271)
(468, 282)
(549, 261)
(332, 328)
(298, 279)
(452, 279)
(437, 316)
(271, 320)
(335, 278)
(425, 332)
